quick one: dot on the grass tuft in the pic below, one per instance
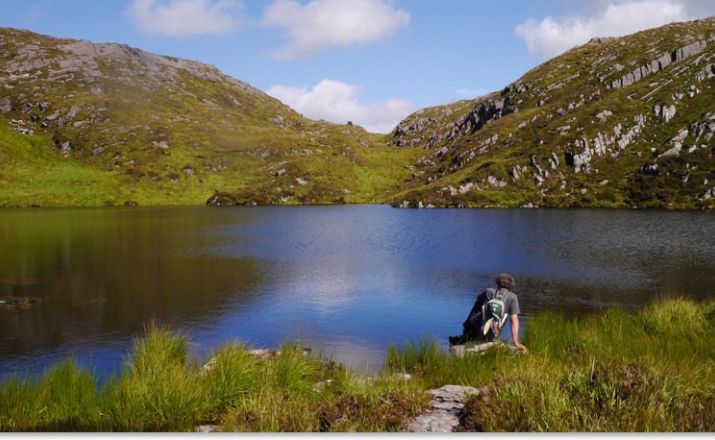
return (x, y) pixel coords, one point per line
(614, 371)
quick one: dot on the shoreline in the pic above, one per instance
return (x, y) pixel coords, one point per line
(602, 372)
(386, 204)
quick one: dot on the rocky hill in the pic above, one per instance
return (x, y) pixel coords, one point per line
(625, 122)
(107, 124)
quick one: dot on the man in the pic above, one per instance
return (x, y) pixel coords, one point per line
(489, 313)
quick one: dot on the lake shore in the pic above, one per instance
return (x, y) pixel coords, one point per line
(613, 371)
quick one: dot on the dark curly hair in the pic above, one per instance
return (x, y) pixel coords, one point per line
(505, 281)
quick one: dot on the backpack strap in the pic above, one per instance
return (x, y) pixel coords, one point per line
(494, 293)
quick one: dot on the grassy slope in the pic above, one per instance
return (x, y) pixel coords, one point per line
(221, 135)
(610, 372)
(573, 78)
(225, 136)
(32, 172)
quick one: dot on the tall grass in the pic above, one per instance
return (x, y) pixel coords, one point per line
(61, 400)
(158, 390)
(161, 388)
(651, 371)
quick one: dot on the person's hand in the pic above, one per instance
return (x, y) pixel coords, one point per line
(521, 347)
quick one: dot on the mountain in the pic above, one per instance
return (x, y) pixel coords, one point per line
(108, 124)
(617, 122)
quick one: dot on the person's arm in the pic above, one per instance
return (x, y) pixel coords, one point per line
(515, 332)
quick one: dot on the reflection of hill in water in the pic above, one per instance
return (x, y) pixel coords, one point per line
(109, 272)
(345, 278)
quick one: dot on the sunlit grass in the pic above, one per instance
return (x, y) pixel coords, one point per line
(651, 371)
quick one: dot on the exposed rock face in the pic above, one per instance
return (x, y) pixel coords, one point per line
(660, 63)
(410, 128)
(84, 58)
(482, 114)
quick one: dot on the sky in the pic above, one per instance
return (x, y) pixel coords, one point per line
(369, 61)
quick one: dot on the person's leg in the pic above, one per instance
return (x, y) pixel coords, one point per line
(456, 340)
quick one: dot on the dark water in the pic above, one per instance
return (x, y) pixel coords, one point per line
(344, 279)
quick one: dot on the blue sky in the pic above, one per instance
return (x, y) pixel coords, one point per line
(371, 61)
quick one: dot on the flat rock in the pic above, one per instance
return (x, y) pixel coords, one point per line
(444, 411)
(205, 428)
(462, 350)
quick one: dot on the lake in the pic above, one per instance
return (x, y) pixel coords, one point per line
(346, 280)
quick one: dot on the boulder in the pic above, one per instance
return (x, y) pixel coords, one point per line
(5, 105)
(161, 144)
(603, 115)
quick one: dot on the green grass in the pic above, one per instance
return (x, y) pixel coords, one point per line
(680, 184)
(615, 371)
(610, 372)
(235, 138)
(33, 172)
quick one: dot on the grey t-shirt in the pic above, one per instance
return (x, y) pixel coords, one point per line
(511, 302)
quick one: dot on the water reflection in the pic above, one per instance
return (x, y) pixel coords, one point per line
(101, 274)
(344, 279)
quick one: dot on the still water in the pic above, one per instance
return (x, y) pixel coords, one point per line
(342, 279)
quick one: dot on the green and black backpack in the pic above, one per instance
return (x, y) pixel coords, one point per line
(493, 312)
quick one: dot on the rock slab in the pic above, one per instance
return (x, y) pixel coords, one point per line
(445, 410)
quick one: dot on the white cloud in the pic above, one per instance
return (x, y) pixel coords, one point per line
(552, 36)
(185, 17)
(323, 24)
(339, 102)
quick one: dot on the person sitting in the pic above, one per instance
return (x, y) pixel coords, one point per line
(489, 314)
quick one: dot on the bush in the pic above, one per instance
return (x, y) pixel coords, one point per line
(677, 317)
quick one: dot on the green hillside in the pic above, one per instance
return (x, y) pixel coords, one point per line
(625, 122)
(105, 124)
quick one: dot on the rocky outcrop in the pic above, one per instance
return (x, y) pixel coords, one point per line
(222, 199)
(482, 114)
(659, 64)
(665, 112)
(407, 133)
(85, 60)
(584, 150)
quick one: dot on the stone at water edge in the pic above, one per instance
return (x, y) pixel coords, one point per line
(460, 350)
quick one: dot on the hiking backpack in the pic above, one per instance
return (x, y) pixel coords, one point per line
(493, 312)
